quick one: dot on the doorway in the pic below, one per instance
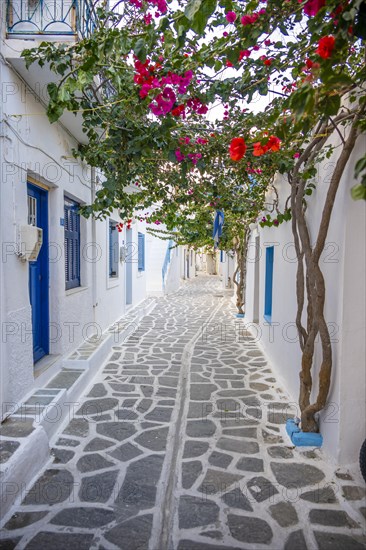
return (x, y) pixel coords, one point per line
(256, 282)
(38, 273)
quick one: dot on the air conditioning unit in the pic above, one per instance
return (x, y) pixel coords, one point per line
(30, 242)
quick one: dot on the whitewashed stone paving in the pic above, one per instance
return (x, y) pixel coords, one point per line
(179, 445)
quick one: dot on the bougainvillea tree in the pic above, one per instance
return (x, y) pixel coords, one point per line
(177, 98)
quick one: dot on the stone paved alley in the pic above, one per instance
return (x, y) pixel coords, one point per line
(179, 444)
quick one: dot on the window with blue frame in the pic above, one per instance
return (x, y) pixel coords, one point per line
(141, 252)
(72, 243)
(113, 249)
(268, 284)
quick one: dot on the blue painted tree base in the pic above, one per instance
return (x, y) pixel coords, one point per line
(302, 439)
(240, 315)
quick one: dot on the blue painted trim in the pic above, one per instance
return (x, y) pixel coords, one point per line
(72, 243)
(64, 12)
(302, 439)
(307, 439)
(166, 263)
(141, 252)
(291, 426)
(268, 283)
(268, 318)
(40, 268)
(240, 315)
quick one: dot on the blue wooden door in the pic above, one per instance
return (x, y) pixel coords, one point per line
(38, 273)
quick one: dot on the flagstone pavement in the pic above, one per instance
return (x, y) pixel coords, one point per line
(178, 444)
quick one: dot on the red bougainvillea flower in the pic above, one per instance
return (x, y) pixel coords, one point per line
(309, 63)
(273, 143)
(244, 53)
(266, 61)
(311, 7)
(230, 16)
(178, 111)
(259, 149)
(325, 46)
(237, 149)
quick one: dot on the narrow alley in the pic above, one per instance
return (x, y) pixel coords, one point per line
(179, 443)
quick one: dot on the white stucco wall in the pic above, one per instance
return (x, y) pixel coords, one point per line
(342, 263)
(32, 147)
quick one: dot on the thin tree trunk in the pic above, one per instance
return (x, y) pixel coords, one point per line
(315, 285)
(308, 421)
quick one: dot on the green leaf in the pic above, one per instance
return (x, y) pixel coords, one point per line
(192, 8)
(52, 90)
(64, 94)
(332, 79)
(360, 166)
(331, 105)
(202, 16)
(140, 50)
(84, 78)
(54, 111)
(358, 192)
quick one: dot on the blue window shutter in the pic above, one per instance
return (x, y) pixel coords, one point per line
(141, 252)
(268, 283)
(72, 244)
(110, 237)
(221, 256)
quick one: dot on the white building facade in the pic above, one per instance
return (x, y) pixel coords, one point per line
(88, 273)
(271, 251)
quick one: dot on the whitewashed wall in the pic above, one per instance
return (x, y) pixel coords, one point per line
(342, 422)
(226, 269)
(31, 146)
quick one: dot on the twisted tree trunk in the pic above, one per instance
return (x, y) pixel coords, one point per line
(308, 270)
(241, 268)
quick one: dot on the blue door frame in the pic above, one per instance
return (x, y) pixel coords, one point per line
(268, 289)
(131, 250)
(39, 278)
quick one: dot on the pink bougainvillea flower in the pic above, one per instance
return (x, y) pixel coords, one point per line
(225, 34)
(325, 46)
(229, 64)
(311, 7)
(237, 149)
(179, 155)
(246, 20)
(231, 16)
(296, 155)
